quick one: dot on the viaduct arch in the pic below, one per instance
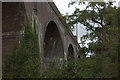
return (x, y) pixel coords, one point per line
(54, 37)
(53, 45)
(70, 50)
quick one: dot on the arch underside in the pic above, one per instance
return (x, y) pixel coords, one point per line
(52, 42)
(70, 51)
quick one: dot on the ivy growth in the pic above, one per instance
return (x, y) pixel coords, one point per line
(24, 62)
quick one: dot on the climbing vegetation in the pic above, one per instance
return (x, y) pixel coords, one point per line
(25, 60)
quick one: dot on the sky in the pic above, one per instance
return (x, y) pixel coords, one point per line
(62, 5)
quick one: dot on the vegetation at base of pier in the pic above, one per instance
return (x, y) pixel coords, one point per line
(98, 66)
(25, 60)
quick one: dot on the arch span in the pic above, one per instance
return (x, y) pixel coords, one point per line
(70, 51)
(52, 42)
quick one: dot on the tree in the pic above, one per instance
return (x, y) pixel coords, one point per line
(25, 60)
(102, 23)
(100, 20)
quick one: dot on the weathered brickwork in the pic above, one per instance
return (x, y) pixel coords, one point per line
(54, 37)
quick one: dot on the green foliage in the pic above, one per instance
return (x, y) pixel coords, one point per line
(102, 23)
(98, 66)
(25, 61)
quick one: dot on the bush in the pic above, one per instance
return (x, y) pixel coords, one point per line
(25, 60)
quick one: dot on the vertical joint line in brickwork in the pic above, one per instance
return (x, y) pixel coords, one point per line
(34, 18)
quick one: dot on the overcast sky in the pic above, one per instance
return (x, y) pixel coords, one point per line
(62, 5)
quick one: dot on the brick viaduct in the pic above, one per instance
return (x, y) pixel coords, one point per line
(54, 37)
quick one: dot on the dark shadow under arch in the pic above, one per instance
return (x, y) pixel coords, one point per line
(70, 51)
(52, 42)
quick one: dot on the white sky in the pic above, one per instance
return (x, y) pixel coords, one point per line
(62, 5)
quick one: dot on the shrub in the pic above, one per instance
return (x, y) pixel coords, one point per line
(25, 61)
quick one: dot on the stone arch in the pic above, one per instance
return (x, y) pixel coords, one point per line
(70, 51)
(52, 42)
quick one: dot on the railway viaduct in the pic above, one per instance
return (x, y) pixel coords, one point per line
(54, 37)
